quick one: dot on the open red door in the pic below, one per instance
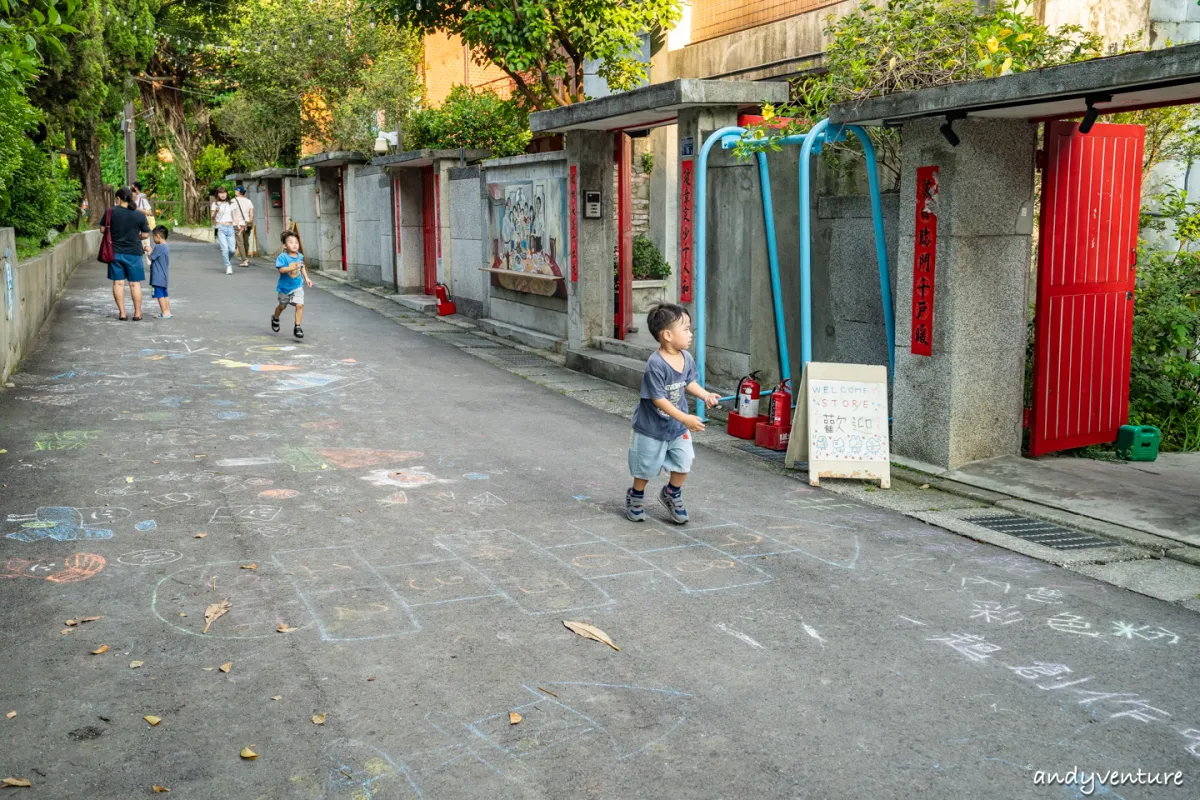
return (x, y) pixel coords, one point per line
(1087, 260)
(429, 232)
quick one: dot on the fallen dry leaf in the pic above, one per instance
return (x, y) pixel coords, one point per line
(228, 665)
(101, 649)
(91, 619)
(16, 782)
(590, 632)
(214, 612)
(248, 754)
(277, 698)
(67, 630)
(153, 720)
(923, 486)
(319, 719)
(547, 691)
(514, 718)
(11, 714)
(207, 669)
(249, 566)
(285, 628)
(200, 535)
(371, 678)
(71, 623)
(159, 789)
(135, 664)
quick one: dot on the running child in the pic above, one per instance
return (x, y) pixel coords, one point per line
(160, 262)
(293, 277)
(662, 425)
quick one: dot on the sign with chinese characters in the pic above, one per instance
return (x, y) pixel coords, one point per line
(924, 261)
(841, 423)
(573, 216)
(686, 174)
(687, 146)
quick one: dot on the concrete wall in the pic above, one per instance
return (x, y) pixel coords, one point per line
(466, 196)
(546, 315)
(301, 209)
(1177, 21)
(369, 224)
(36, 286)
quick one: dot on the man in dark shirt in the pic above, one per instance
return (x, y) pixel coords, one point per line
(129, 227)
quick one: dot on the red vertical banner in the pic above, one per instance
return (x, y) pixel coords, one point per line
(396, 207)
(573, 221)
(924, 261)
(686, 175)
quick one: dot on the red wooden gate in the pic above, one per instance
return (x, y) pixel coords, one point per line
(429, 227)
(1091, 192)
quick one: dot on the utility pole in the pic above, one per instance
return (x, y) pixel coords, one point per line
(129, 125)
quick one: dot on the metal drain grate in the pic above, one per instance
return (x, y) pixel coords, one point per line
(1044, 533)
(464, 340)
(516, 358)
(776, 456)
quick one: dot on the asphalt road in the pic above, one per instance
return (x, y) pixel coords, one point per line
(420, 524)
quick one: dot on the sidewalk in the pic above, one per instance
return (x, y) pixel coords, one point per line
(1134, 526)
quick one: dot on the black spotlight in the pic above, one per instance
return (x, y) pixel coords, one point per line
(947, 128)
(1092, 113)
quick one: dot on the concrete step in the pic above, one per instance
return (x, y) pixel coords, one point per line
(525, 336)
(422, 303)
(611, 367)
(634, 350)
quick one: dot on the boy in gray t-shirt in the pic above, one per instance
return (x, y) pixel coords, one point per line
(661, 422)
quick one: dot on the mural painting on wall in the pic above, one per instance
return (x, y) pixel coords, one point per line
(525, 226)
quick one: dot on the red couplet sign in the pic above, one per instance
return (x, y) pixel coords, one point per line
(573, 218)
(924, 261)
(685, 229)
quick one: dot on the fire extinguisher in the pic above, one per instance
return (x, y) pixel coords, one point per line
(445, 306)
(749, 391)
(779, 408)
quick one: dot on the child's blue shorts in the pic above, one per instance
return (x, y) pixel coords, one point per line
(648, 457)
(160, 291)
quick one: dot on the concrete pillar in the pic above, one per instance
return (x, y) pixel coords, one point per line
(964, 403)
(590, 300)
(664, 201)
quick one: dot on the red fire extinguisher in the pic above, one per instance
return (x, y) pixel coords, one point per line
(749, 391)
(445, 306)
(779, 408)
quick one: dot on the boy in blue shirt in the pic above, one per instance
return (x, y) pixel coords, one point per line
(160, 261)
(290, 288)
(661, 423)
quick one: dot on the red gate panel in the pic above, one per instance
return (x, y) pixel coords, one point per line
(1087, 254)
(429, 231)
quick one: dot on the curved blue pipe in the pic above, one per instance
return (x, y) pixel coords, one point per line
(764, 180)
(881, 259)
(806, 152)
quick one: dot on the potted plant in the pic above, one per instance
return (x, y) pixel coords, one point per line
(650, 273)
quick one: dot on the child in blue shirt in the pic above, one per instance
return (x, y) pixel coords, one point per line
(662, 424)
(160, 261)
(290, 288)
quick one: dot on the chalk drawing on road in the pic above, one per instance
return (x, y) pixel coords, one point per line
(476, 476)
(232, 514)
(149, 558)
(146, 525)
(354, 457)
(273, 530)
(75, 567)
(394, 499)
(60, 523)
(278, 494)
(228, 415)
(230, 364)
(486, 500)
(64, 440)
(260, 600)
(329, 490)
(411, 478)
(1129, 630)
(739, 635)
(180, 499)
(360, 772)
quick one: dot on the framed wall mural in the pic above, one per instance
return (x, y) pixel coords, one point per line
(526, 235)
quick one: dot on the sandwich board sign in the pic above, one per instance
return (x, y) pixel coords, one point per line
(841, 423)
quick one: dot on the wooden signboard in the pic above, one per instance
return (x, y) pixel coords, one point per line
(841, 423)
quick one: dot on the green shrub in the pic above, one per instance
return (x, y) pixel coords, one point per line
(41, 194)
(212, 164)
(473, 120)
(1165, 370)
(648, 262)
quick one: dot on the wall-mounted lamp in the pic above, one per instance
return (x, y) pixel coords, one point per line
(1092, 113)
(947, 129)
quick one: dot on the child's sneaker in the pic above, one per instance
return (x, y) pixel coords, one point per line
(275, 324)
(165, 316)
(298, 332)
(635, 508)
(673, 501)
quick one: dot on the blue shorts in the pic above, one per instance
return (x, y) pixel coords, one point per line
(648, 457)
(160, 291)
(127, 268)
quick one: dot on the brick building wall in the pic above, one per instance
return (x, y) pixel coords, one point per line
(713, 18)
(446, 65)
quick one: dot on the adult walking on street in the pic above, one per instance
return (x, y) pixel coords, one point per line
(243, 219)
(222, 217)
(143, 204)
(129, 229)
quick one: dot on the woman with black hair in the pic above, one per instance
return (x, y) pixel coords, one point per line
(129, 229)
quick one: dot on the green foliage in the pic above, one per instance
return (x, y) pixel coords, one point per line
(112, 154)
(212, 164)
(41, 195)
(261, 131)
(648, 262)
(915, 44)
(543, 44)
(472, 120)
(647, 162)
(1165, 374)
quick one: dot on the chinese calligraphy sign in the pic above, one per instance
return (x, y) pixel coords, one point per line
(849, 421)
(924, 261)
(686, 175)
(573, 214)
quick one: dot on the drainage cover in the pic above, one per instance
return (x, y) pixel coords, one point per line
(518, 359)
(766, 454)
(1044, 533)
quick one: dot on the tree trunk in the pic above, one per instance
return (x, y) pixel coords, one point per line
(88, 146)
(185, 135)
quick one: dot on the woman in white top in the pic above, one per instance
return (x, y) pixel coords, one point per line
(222, 217)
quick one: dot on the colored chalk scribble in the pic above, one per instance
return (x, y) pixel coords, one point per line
(231, 364)
(64, 440)
(60, 523)
(76, 567)
(146, 525)
(278, 494)
(354, 458)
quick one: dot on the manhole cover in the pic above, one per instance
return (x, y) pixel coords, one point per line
(764, 453)
(1044, 533)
